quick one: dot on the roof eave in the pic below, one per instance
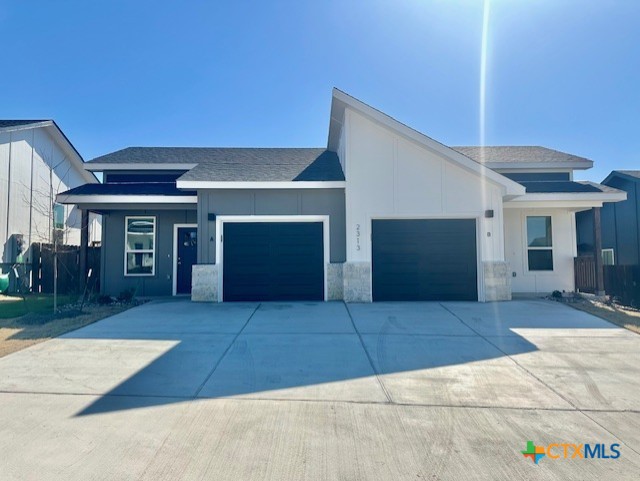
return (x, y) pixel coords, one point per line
(106, 166)
(295, 184)
(573, 165)
(617, 173)
(125, 199)
(597, 197)
(34, 125)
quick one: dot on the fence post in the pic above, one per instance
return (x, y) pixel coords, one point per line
(84, 245)
(597, 255)
(35, 267)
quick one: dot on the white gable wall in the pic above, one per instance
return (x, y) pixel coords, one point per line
(390, 176)
(26, 185)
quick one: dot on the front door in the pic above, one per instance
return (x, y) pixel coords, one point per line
(187, 254)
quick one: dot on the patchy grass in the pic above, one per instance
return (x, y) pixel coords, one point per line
(39, 326)
(14, 306)
(620, 315)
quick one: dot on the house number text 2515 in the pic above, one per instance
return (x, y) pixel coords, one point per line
(357, 237)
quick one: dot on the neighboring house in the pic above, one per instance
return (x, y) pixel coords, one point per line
(382, 212)
(620, 222)
(37, 162)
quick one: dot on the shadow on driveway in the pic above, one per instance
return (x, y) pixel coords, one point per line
(423, 353)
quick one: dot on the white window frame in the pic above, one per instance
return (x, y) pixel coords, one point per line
(613, 256)
(139, 251)
(540, 248)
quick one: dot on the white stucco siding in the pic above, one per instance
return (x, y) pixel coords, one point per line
(390, 176)
(564, 250)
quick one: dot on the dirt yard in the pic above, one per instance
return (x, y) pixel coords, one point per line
(20, 332)
(620, 315)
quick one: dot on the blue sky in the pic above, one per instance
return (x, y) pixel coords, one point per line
(561, 73)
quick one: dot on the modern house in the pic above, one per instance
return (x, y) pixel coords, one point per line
(37, 162)
(383, 212)
(620, 223)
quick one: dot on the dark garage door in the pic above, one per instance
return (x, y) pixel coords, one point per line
(273, 261)
(416, 260)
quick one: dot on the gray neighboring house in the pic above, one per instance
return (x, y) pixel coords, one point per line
(620, 222)
(37, 161)
(382, 212)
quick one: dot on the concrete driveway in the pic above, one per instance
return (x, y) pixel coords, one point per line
(176, 390)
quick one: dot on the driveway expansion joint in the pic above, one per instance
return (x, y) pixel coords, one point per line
(235, 338)
(373, 367)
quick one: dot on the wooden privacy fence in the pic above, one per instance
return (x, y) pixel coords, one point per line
(623, 283)
(70, 275)
(620, 282)
(585, 274)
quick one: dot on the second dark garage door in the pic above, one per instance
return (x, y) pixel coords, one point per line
(416, 260)
(273, 261)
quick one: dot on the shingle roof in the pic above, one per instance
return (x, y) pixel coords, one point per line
(237, 164)
(131, 188)
(601, 187)
(558, 186)
(630, 173)
(18, 123)
(517, 154)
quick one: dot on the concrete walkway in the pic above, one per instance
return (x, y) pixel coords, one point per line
(176, 390)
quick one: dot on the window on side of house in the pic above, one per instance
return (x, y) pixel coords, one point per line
(539, 243)
(608, 258)
(139, 245)
(58, 216)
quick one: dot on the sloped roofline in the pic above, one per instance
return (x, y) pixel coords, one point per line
(58, 136)
(620, 173)
(341, 100)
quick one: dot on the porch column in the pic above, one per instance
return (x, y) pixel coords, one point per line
(84, 244)
(597, 255)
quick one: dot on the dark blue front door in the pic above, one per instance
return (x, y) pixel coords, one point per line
(187, 255)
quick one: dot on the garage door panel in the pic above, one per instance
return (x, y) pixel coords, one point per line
(265, 261)
(432, 259)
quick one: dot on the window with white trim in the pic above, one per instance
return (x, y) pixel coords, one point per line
(539, 243)
(139, 245)
(608, 258)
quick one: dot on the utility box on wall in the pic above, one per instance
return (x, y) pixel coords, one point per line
(16, 249)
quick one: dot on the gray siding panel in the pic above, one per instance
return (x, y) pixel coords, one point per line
(161, 283)
(271, 202)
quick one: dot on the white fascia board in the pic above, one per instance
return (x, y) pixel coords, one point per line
(35, 125)
(540, 166)
(585, 199)
(58, 136)
(510, 187)
(126, 199)
(97, 167)
(74, 157)
(200, 184)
